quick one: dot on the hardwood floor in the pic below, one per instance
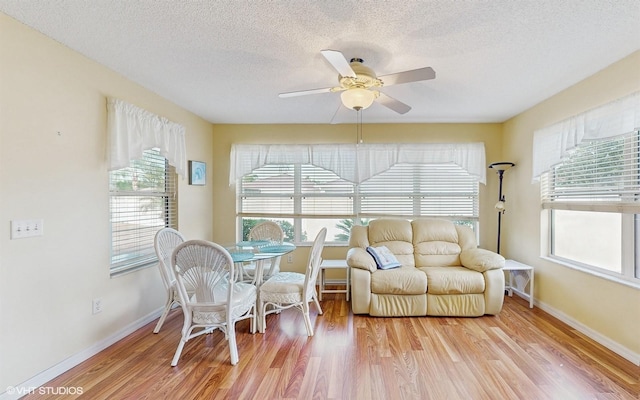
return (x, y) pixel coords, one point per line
(519, 354)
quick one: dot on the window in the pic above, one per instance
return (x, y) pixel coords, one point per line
(143, 199)
(307, 197)
(592, 200)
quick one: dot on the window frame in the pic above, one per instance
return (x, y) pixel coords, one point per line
(356, 195)
(626, 206)
(120, 212)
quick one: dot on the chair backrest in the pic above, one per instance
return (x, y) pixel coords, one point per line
(207, 268)
(166, 240)
(267, 230)
(313, 266)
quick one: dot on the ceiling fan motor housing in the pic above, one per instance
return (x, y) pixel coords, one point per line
(365, 77)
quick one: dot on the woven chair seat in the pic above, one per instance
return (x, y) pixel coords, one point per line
(285, 287)
(244, 297)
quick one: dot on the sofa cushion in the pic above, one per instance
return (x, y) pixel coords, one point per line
(453, 280)
(435, 243)
(437, 254)
(384, 258)
(390, 230)
(431, 230)
(403, 280)
(396, 235)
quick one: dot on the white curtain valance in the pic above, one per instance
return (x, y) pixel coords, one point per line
(132, 130)
(553, 144)
(357, 162)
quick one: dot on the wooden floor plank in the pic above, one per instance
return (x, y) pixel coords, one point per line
(521, 353)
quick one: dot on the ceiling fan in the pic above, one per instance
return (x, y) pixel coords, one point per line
(359, 83)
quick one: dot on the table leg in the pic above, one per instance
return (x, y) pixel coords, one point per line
(531, 280)
(510, 283)
(321, 283)
(257, 281)
(348, 275)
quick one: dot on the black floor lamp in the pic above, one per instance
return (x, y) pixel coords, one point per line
(500, 167)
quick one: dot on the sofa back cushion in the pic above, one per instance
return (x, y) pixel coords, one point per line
(425, 242)
(396, 234)
(437, 243)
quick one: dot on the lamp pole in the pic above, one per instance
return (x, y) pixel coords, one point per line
(500, 167)
(500, 199)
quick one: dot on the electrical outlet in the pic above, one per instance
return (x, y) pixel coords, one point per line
(290, 258)
(25, 228)
(97, 305)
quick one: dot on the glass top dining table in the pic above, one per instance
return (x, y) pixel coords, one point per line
(258, 251)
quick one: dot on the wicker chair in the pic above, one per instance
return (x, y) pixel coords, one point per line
(166, 240)
(218, 301)
(294, 290)
(267, 230)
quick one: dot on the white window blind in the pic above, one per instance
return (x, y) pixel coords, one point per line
(415, 190)
(599, 175)
(295, 190)
(143, 199)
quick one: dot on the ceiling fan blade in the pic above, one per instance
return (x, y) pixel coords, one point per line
(420, 74)
(304, 92)
(337, 60)
(393, 104)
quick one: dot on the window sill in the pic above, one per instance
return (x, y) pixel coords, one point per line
(631, 282)
(130, 270)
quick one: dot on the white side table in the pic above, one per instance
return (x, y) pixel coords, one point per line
(333, 264)
(523, 274)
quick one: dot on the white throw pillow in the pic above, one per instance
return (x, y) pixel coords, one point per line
(384, 257)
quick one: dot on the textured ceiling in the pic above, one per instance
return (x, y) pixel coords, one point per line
(228, 60)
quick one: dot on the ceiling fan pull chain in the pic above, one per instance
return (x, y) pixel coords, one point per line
(359, 125)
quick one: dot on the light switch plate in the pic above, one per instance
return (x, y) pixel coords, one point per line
(25, 228)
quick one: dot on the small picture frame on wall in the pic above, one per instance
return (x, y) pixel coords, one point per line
(197, 173)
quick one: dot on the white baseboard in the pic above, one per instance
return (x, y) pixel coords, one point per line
(32, 385)
(585, 330)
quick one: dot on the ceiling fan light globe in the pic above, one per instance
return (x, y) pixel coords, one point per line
(357, 98)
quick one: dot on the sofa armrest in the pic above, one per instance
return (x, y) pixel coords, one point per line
(481, 260)
(358, 257)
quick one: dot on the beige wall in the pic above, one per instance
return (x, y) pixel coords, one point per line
(52, 166)
(226, 135)
(607, 308)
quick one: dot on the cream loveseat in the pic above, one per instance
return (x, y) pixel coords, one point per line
(442, 271)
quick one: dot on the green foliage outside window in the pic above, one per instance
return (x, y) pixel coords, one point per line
(287, 228)
(345, 226)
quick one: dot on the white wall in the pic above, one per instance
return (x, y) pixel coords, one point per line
(52, 166)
